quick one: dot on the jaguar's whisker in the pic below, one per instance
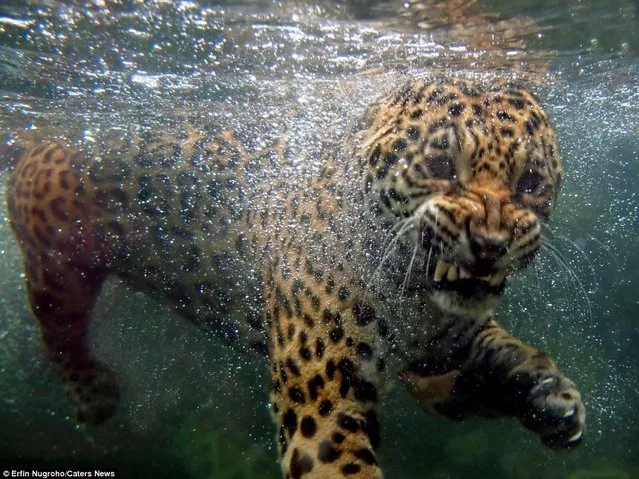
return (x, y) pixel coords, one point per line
(407, 277)
(573, 244)
(410, 268)
(407, 224)
(615, 260)
(604, 247)
(430, 252)
(571, 274)
(397, 227)
(537, 280)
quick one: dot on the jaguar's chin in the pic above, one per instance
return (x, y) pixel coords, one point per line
(456, 290)
(451, 302)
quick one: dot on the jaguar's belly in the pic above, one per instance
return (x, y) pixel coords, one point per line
(215, 289)
(178, 233)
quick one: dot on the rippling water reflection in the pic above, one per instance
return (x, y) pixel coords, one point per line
(105, 67)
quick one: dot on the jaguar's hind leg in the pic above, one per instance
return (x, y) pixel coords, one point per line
(62, 303)
(51, 213)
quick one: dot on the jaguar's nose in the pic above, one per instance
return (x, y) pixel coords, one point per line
(487, 250)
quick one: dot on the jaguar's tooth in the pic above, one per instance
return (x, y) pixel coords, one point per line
(452, 273)
(463, 274)
(440, 270)
(498, 277)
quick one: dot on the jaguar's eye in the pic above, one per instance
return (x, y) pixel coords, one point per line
(529, 182)
(441, 166)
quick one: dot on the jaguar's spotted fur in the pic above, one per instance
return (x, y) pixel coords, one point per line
(389, 262)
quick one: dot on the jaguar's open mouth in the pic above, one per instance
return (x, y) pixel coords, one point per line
(456, 289)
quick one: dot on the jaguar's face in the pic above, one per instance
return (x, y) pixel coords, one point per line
(473, 171)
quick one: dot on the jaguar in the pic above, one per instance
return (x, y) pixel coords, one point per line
(386, 262)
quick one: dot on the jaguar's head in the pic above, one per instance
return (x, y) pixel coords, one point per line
(470, 172)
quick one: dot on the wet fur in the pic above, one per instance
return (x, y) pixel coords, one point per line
(339, 273)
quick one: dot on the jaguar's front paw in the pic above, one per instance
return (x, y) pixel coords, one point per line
(553, 408)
